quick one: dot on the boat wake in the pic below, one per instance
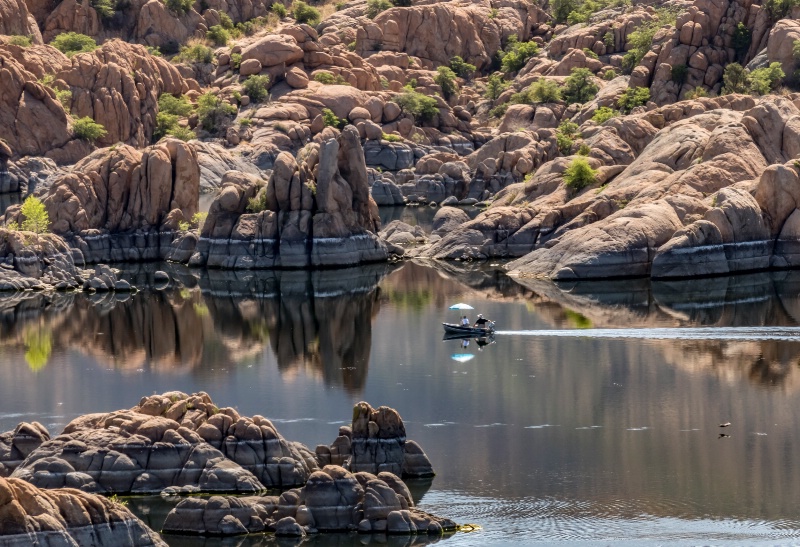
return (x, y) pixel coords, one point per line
(786, 334)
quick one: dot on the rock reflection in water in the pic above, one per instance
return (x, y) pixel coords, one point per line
(318, 323)
(734, 301)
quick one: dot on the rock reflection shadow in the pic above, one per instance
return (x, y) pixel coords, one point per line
(763, 299)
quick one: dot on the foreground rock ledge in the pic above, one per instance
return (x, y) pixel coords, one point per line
(67, 517)
(333, 500)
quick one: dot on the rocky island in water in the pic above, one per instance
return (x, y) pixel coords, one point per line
(574, 139)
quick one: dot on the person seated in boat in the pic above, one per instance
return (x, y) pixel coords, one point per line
(481, 322)
(464, 321)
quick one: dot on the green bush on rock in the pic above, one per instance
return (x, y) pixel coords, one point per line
(88, 129)
(72, 43)
(36, 218)
(579, 174)
(256, 87)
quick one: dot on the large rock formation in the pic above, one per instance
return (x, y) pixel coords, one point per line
(168, 441)
(376, 443)
(16, 445)
(316, 212)
(32, 516)
(333, 500)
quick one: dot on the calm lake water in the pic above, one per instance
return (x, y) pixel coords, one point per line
(593, 418)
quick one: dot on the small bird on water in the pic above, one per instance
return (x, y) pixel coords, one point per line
(726, 424)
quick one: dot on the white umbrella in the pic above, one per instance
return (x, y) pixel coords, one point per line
(462, 357)
(461, 306)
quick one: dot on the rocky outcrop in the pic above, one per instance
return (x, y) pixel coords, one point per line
(118, 86)
(122, 204)
(32, 516)
(36, 261)
(376, 443)
(168, 441)
(316, 212)
(333, 500)
(435, 33)
(17, 20)
(16, 445)
(682, 190)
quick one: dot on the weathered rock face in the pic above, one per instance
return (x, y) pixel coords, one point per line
(32, 121)
(318, 212)
(122, 204)
(333, 500)
(16, 445)
(118, 86)
(168, 441)
(435, 33)
(31, 261)
(17, 20)
(679, 198)
(376, 443)
(31, 516)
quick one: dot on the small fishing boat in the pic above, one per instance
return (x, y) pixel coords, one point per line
(453, 329)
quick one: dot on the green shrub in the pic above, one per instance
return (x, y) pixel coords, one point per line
(493, 13)
(279, 10)
(499, 111)
(589, 53)
(179, 106)
(391, 138)
(331, 120)
(104, 8)
(329, 79)
(86, 128)
(579, 174)
(584, 149)
(579, 86)
(71, 43)
(517, 54)
(258, 203)
(246, 122)
(641, 40)
(562, 8)
(679, 73)
(764, 80)
(418, 105)
(21, 41)
(64, 96)
(340, 6)
(603, 114)
(179, 6)
(303, 13)
(165, 122)
(741, 40)
(696, 93)
(182, 133)
(778, 9)
(36, 218)
(545, 91)
(737, 79)
(374, 7)
(225, 21)
(633, 97)
(196, 53)
(236, 60)
(446, 79)
(609, 74)
(213, 112)
(256, 87)
(609, 41)
(495, 86)
(461, 68)
(218, 35)
(153, 50)
(566, 134)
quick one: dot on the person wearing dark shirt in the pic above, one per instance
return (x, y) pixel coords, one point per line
(481, 321)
